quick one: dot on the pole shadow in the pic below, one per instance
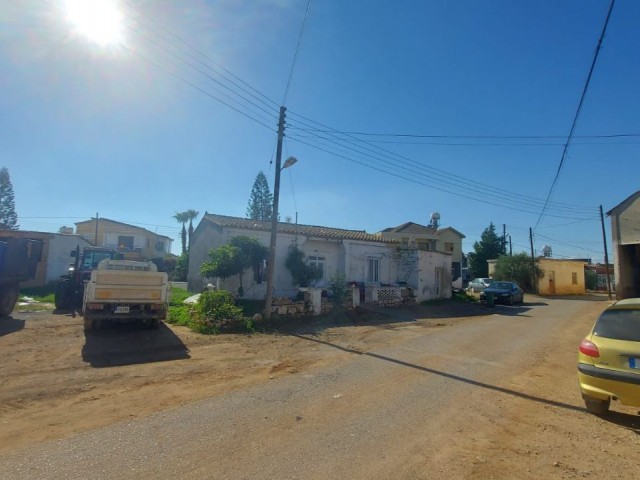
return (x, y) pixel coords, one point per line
(625, 420)
(130, 344)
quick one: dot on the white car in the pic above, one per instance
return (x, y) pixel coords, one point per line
(478, 284)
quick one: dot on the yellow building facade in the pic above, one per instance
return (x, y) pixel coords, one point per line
(561, 277)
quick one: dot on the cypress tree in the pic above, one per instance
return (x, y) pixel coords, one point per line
(8, 215)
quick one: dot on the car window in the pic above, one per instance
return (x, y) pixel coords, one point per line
(501, 285)
(619, 325)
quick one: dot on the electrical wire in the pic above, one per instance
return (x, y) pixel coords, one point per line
(577, 114)
(441, 173)
(259, 96)
(295, 55)
(394, 173)
(449, 179)
(568, 244)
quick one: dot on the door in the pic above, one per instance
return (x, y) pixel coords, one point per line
(552, 282)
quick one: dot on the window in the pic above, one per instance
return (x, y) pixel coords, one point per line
(373, 273)
(315, 261)
(160, 246)
(574, 278)
(448, 247)
(423, 245)
(125, 242)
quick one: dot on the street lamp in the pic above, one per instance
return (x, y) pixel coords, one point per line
(274, 231)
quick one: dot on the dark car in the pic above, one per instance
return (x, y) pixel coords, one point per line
(503, 292)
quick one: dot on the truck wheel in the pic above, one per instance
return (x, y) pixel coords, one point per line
(8, 299)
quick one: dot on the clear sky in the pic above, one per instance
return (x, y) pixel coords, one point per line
(87, 127)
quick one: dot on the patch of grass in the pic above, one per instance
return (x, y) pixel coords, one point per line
(178, 296)
(43, 294)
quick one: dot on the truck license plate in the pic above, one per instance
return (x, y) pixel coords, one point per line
(122, 309)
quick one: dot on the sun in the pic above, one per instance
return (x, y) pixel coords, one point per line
(98, 20)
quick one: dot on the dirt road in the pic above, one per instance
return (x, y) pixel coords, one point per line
(406, 395)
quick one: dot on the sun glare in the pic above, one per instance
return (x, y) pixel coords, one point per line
(98, 20)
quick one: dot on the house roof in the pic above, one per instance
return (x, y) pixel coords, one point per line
(624, 204)
(292, 228)
(413, 228)
(124, 224)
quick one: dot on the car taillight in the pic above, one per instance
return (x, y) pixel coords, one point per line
(589, 348)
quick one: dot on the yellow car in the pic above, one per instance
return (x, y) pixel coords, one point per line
(609, 358)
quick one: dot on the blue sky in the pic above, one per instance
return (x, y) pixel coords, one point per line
(87, 128)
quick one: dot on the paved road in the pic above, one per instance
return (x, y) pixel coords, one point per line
(376, 415)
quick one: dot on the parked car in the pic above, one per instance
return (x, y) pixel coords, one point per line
(503, 292)
(609, 358)
(478, 284)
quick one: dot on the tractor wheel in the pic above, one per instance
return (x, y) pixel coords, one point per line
(8, 299)
(62, 295)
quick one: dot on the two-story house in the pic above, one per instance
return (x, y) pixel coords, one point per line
(431, 238)
(124, 237)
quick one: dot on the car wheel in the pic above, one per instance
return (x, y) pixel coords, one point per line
(597, 406)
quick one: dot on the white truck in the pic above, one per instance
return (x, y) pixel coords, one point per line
(123, 291)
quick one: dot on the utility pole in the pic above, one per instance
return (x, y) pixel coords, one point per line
(510, 247)
(533, 264)
(274, 218)
(606, 253)
(504, 238)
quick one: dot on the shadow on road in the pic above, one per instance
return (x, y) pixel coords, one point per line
(133, 343)
(630, 422)
(10, 325)
(450, 376)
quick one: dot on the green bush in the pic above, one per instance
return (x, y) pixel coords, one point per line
(180, 315)
(338, 288)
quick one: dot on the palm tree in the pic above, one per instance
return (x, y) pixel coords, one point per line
(191, 215)
(183, 218)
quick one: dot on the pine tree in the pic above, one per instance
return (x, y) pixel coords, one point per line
(489, 247)
(260, 205)
(8, 215)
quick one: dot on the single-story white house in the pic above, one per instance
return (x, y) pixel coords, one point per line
(364, 258)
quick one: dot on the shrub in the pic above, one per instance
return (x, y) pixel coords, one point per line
(338, 288)
(302, 274)
(217, 306)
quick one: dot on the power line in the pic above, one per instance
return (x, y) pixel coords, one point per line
(383, 155)
(295, 55)
(260, 96)
(412, 179)
(577, 114)
(480, 137)
(568, 244)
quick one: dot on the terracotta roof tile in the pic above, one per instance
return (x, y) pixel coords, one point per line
(292, 228)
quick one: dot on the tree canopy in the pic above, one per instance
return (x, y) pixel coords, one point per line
(489, 247)
(260, 205)
(235, 258)
(8, 215)
(517, 268)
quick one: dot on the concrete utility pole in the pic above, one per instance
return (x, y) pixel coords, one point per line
(533, 264)
(606, 253)
(504, 238)
(274, 218)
